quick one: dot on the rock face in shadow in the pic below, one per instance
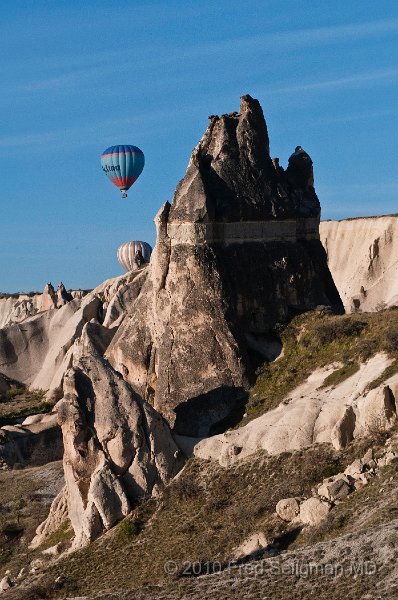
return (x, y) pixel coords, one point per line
(237, 252)
(36, 441)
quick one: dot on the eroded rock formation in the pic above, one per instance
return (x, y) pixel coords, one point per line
(312, 413)
(15, 308)
(237, 251)
(117, 448)
(362, 258)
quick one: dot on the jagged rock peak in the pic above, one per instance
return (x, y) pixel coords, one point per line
(231, 176)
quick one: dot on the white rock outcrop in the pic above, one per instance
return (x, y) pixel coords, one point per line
(362, 256)
(251, 545)
(313, 414)
(37, 351)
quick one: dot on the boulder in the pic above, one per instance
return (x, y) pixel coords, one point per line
(288, 509)
(252, 545)
(313, 511)
(378, 411)
(5, 583)
(355, 469)
(335, 489)
(343, 431)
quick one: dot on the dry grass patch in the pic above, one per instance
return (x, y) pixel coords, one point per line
(18, 401)
(203, 516)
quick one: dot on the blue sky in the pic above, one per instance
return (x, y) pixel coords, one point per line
(77, 77)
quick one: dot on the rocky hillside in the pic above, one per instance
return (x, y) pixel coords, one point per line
(362, 256)
(237, 252)
(258, 507)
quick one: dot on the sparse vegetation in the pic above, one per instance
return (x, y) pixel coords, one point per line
(314, 340)
(18, 401)
(130, 527)
(24, 503)
(63, 535)
(203, 526)
(340, 375)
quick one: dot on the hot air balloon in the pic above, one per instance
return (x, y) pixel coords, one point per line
(123, 165)
(132, 255)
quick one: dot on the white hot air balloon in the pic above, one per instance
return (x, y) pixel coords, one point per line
(132, 255)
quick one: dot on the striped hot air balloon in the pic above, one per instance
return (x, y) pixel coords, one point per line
(123, 165)
(127, 255)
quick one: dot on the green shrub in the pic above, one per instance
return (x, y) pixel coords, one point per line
(341, 374)
(331, 470)
(332, 329)
(391, 340)
(129, 528)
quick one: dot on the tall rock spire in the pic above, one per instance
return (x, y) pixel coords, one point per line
(238, 251)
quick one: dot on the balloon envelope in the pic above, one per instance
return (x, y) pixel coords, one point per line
(123, 165)
(126, 254)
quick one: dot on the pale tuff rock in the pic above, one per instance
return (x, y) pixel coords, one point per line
(15, 308)
(49, 298)
(32, 351)
(252, 545)
(314, 414)
(354, 469)
(362, 258)
(288, 508)
(335, 488)
(117, 448)
(313, 511)
(37, 352)
(5, 583)
(343, 431)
